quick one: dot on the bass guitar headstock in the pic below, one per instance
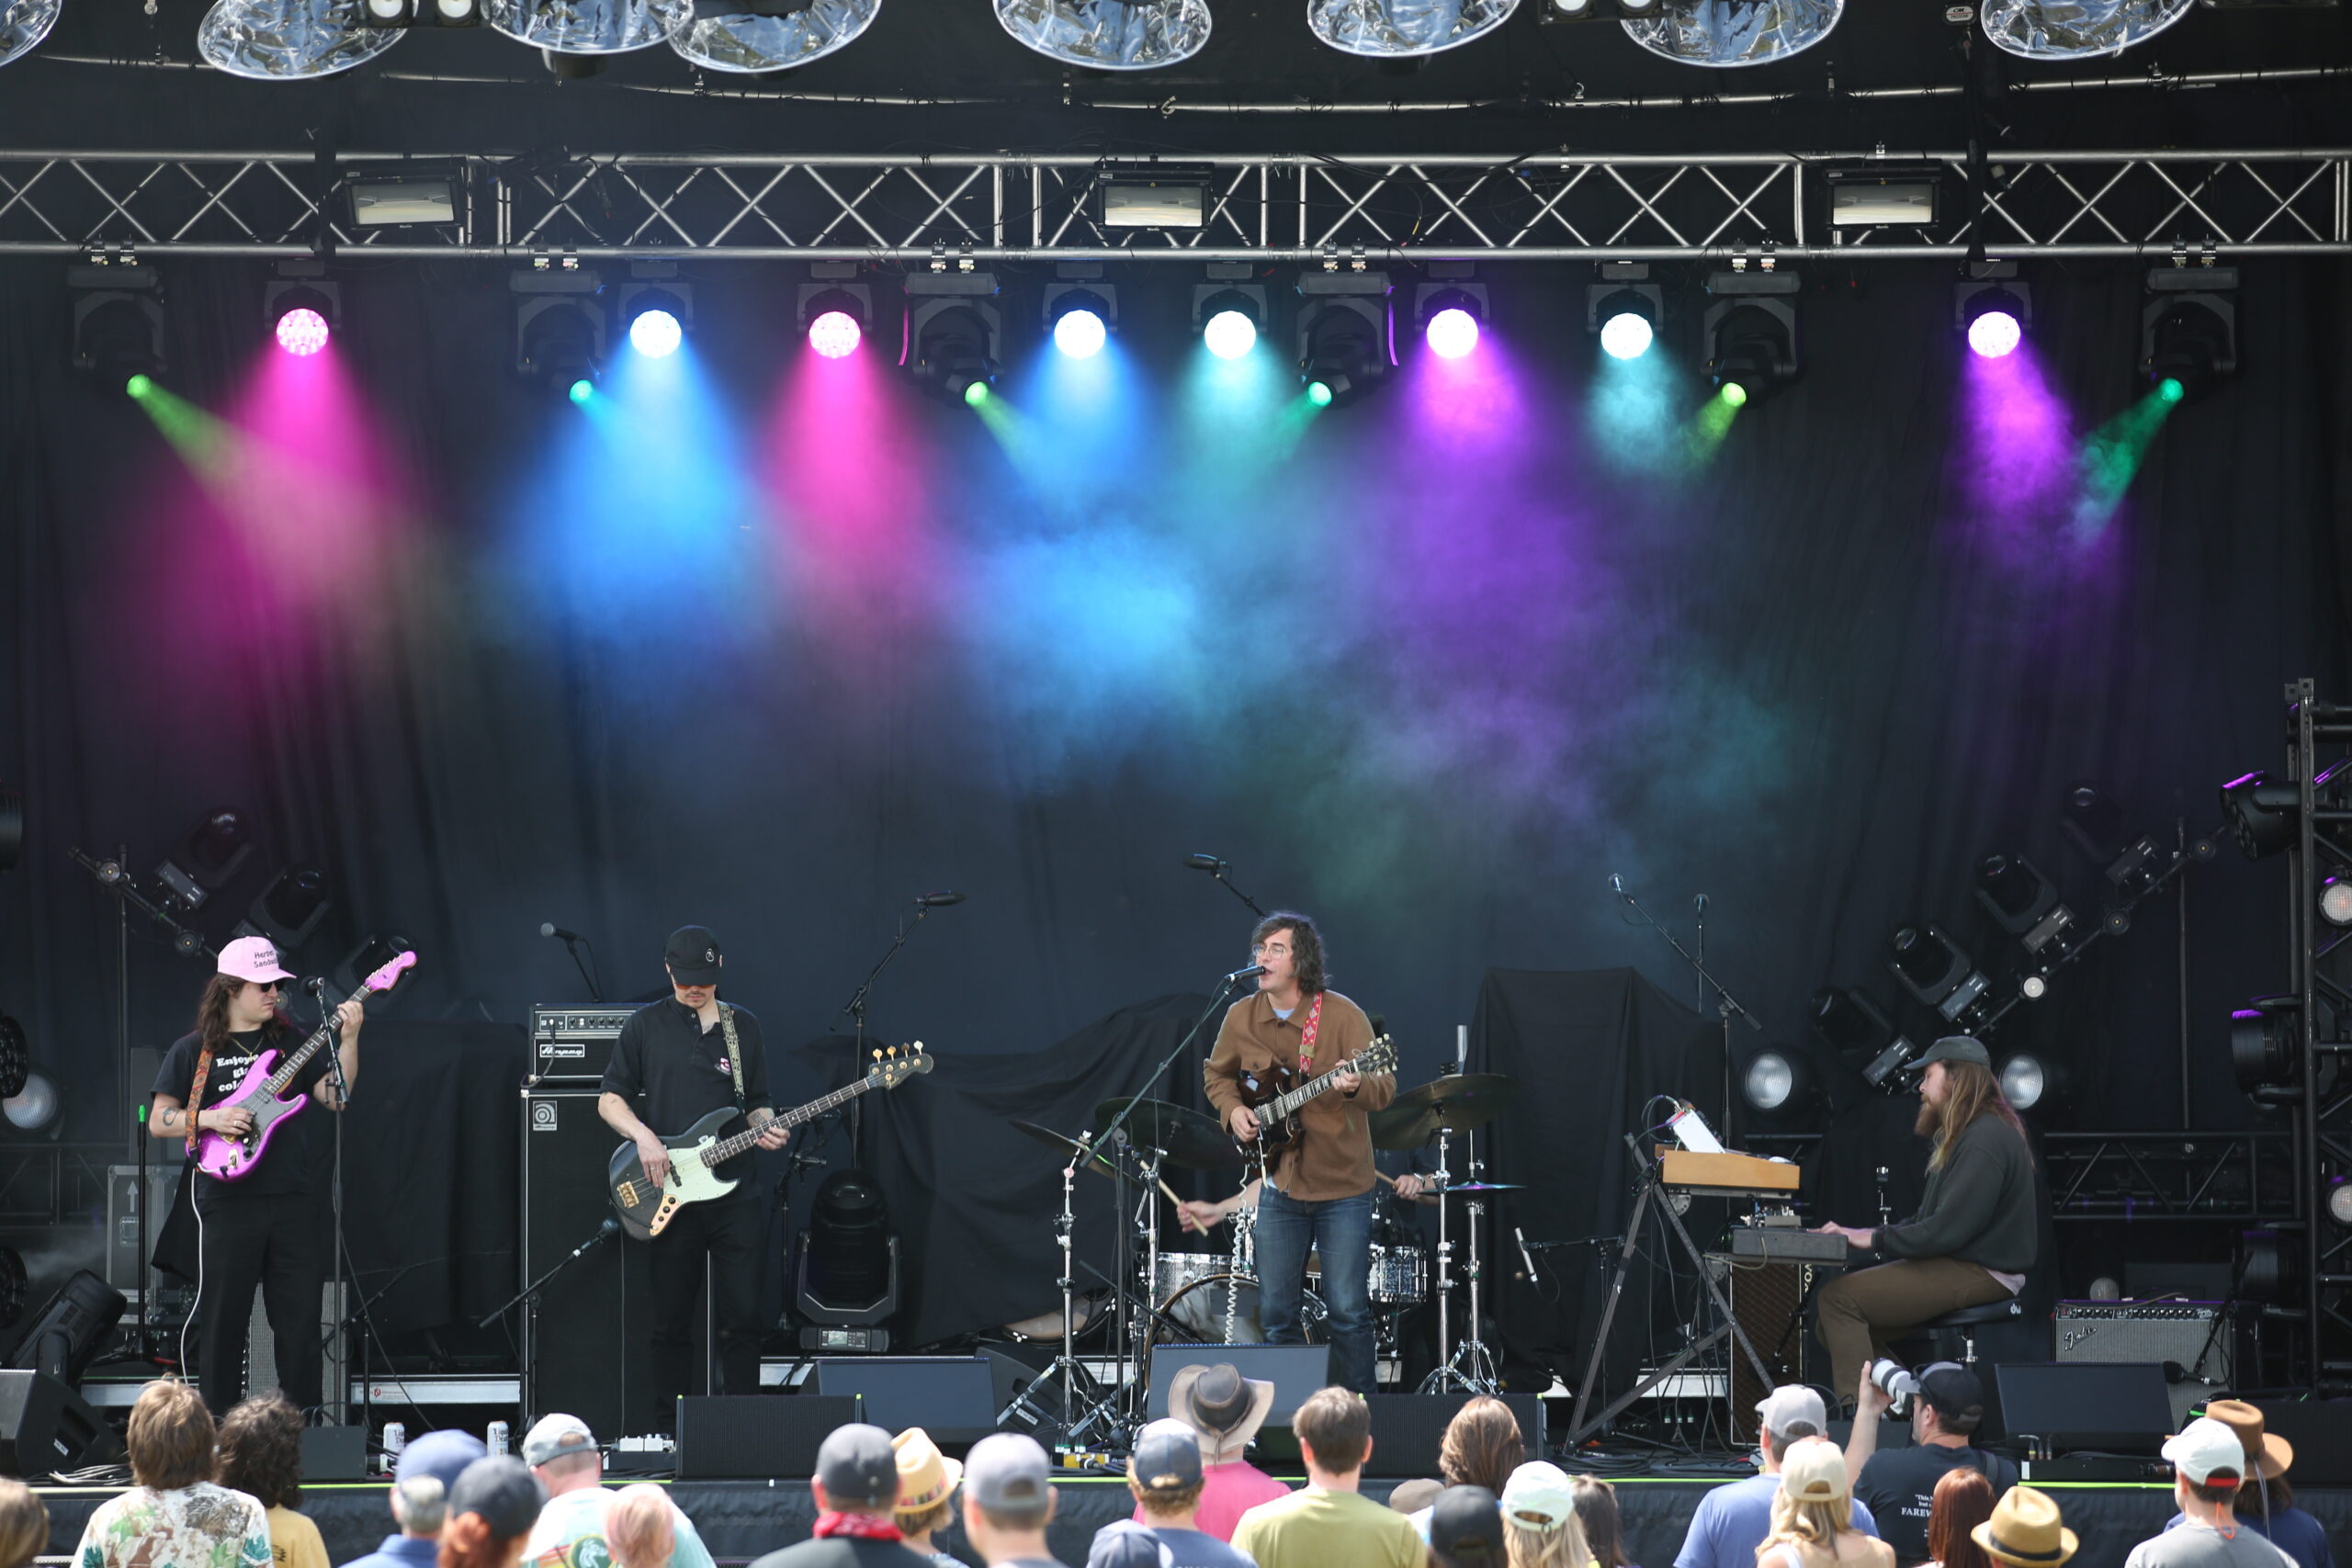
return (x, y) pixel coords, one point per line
(897, 1064)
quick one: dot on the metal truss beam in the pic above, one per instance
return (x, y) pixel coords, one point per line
(1281, 206)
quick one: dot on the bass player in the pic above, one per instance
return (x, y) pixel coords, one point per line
(268, 1228)
(676, 1061)
(1317, 1194)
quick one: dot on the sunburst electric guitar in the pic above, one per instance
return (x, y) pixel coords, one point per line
(696, 1153)
(1276, 1094)
(227, 1158)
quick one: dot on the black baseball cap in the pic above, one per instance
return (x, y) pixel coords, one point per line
(1466, 1527)
(1956, 1392)
(692, 957)
(502, 1490)
(858, 1467)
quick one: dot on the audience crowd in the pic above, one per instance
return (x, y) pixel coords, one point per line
(232, 1497)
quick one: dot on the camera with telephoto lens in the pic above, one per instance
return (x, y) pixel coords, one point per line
(1901, 1387)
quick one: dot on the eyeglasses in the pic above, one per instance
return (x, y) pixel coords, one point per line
(269, 984)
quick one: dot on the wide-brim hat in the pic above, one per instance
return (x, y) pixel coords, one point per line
(1226, 1409)
(2025, 1532)
(2271, 1454)
(925, 1476)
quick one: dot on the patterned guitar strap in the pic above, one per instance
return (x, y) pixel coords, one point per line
(734, 1052)
(196, 1095)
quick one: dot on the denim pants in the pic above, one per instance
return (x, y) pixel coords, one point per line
(1340, 1230)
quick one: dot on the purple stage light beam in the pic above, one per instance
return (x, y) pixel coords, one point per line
(1995, 335)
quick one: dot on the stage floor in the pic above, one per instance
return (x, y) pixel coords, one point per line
(742, 1520)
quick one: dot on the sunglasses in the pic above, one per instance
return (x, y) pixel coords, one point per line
(267, 985)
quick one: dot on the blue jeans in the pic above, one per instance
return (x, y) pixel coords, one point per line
(1340, 1229)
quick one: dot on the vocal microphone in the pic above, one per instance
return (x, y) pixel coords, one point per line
(1250, 974)
(1617, 885)
(938, 900)
(1524, 1256)
(548, 928)
(1698, 904)
(1205, 863)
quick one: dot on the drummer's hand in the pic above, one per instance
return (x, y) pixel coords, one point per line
(1199, 1216)
(1347, 1082)
(1245, 1124)
(1408, 1186)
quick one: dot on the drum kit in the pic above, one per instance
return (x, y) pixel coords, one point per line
(1183, 1297)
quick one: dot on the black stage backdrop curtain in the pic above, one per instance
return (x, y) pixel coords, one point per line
(1587, 1052)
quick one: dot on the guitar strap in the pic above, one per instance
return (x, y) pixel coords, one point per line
(734, 1052)
(196, 1095)
(1306, 1035)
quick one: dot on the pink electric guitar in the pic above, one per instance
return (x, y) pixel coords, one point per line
(264, 1092)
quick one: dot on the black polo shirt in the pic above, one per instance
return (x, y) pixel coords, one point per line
(674, 1072)
(301, 1140)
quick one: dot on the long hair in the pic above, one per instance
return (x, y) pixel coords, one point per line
(1970, 1092)
(24, 1524)
(1560, 1547)
(212, 1012)
(1482, 1446)
(1801, 1523)
(1307, 947)
(1963, 1501)
(1604, 1535)
(261, 1451)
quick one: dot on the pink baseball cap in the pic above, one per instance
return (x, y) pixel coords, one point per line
(253, 958)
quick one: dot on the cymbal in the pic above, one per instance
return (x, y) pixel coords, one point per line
(1186, 1137)
(1068, 1148)
(1458, 1103)
(1480, 1187)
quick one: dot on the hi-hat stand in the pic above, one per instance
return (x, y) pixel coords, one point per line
(1469, 1366)
(1653, 1191)
(1066, 1371)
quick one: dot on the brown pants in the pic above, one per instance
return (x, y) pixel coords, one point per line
(1856, 1314)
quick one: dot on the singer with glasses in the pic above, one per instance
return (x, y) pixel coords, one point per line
(1318, 1192)
(268, 1229)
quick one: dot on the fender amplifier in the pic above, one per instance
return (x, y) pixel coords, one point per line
(2194, 1342)
(572, 1044)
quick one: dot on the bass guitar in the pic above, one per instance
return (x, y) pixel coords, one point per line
(1276, 1094)
(227, 1158)
(695, 1154)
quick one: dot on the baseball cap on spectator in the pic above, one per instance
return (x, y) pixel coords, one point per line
(858, 1468)
(1167, 1458)
(1467, 1528)
(502, 1490)
(1957, 1393)
(442, 1455)
(2203, 1447)
(1126, 1544)
(1814, 1471)
(1791, 1405)
(1006, 1473)
(552, 1436)
(1539, 1496)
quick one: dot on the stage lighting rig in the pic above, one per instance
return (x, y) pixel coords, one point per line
(559, 324)
(23, 24)
(1858, 1028)
(118, 318)
(290, 40)
(1937, 972)
(574, 35)
(1081, 309)
(289, 909)
(420, 13)
(418, 196)
(1991, 308)
(1451, 310)
(955, 332)
(1875, 196)
(2024, 903)
(1345, 336)
(1750, 331)
(37, 1109)
(1155, 196)
(1751, 32)
(301, 308)
(1228, 311)
(2062, 30)
(1624, 309)
(755, 37)
(2188, 329)
(1108, 35)
(204, 860)
(2028, 1081)
(1404, 29)
(656, 309)
(2265, 1049)
(2135, 866)
(834, 311)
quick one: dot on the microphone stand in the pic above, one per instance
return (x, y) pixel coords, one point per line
(342, 1396)
(1218, 872)
(855, 1008)
(1725, 1003)
(610, 1227)
(571, 946)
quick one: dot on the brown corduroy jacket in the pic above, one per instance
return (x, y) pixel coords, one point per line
(1332, 1155)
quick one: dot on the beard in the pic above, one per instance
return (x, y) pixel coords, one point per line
(1930, 1120)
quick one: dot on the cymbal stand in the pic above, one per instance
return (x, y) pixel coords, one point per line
(1140, 1335)
(1065, 1370)
(1443, 1286)
(1470, 1366)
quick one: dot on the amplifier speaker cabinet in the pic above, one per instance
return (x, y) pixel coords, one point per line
(2193, 1341)
(585, 1338)
(1767, 1301)
(952, 1397)
(572, 1044)
(750, 1436)
(1408, 1429)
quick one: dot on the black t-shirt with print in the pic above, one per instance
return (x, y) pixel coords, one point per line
(1899, 1484)
(295, 1148)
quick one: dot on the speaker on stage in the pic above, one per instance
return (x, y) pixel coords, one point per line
(1408, 1429)
(585, 1340)
(45, 1426)
(952, 1397)
(1768, 1300)
(753, 1437)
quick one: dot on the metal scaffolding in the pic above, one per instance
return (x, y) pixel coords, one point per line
(1297, 208)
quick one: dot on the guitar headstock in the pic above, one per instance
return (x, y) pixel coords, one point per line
(1380, 1056)
(899, 1063)
(384, 979)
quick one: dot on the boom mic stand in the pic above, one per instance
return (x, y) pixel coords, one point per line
(1218, 868)
(1725, 1003)
(855, 1006)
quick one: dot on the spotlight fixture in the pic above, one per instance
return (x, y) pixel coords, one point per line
(759, 36)
(2188, 329)
(1155, 196)
(2261, 812)
(289, 909)
(656, 315)
(23, 24)
(206, 859)
(1936, 970)
(1858, 1028)
(420, 13)
(302, 314)
(845, 1264)
(2335, 900)
(1993, 310)
(1750, 331)
(1776, 1081)
(2064, 29)
(16, 1056)
(1080, 310)
(1727, 33)
(290, 40)
(1345, 336)
(2025, 1082)
(1404, 29)
(424, 196)
(2135, 866)
(2339, 1201)
(1108, 35)
(2264, 1041)
(1624, 309)
(563, 30)
(954, 333)
(118, 320)
(1450, 309)
(834, 311)
(2024, 903)
(1877, 197)
(2267, 1270)
(559, 328)
(1229, 312)
(36, 1109)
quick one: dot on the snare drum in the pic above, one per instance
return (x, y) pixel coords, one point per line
(1400, 1277)
(1174, 1270)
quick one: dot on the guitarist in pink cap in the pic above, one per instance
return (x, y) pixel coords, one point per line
(266, 1225)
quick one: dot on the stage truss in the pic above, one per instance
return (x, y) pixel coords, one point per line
(1288, 207)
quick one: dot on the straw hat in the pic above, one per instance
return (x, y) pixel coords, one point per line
(2025, 1532)
(925, 1476)
(2271, 1454)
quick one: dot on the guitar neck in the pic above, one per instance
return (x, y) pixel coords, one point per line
(1285, 1105)
(301, 1056)
(727, 1148)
